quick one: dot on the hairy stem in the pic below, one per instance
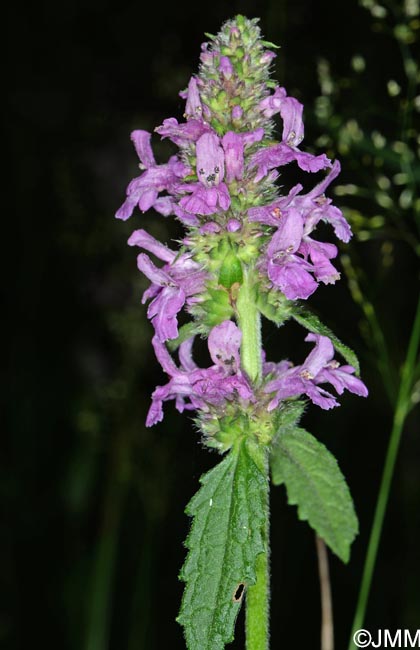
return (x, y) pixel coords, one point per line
(327, 624)
(402, 409)
(258, 603)
(258, 595)
(249, 322)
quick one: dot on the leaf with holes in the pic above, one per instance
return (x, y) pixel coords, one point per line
(315, 484)
(226, 536)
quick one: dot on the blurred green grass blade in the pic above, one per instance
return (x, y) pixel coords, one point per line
(100, 595)
(402, 409)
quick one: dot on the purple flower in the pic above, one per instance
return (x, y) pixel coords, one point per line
(226, 67)
(233, 225)
(267, 57)
(281, 154)
(237, 113)
(228, 164)
(206, 57)
(182, 134)
(271, 105)
(290, 261)
(271, 214)
(210, 160)
(187, 218)
(202, 388)
(318, 368)
(318, 208)
(210, 228)
(293, 131)
(191, 130)
(291, 112)
(210, 193)
(314, 207)
(179, 281)
(144, 190)
(205, 201)
(233, 146)
(193, 107)
(320, 254)
(285, 268)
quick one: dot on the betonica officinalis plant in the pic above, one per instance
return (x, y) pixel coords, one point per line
(249, 251)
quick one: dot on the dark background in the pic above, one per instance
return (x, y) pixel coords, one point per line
(94, 526)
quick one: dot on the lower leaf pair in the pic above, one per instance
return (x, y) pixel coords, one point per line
(230, 513)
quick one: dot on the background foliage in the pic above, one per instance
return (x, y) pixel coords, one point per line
(92, 539)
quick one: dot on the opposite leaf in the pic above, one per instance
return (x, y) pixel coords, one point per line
(280, 310)
(316, 485)
(226, 536)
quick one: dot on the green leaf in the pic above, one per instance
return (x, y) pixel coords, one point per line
(185, 332)
(229, 512)
(313, 324)
(270, 44)
(315, 484)
(289, 414)
(279, 309)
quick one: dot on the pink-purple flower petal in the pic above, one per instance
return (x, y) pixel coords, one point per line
(224, 344)
(141, 140)
(318, 368)
(293, 279)
(233, 147)
(144, 240)
(210, 160)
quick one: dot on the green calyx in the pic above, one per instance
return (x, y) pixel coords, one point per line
(224, 255)
(223, 433)
(256, 425)
(215, 308)
(211, 249)
(274, 305)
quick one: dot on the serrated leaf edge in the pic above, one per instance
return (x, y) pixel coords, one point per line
(191, 510)
(303, 514)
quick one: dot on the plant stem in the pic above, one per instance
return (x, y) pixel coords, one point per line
(258, 603)
(402, 409)
(327, 625)
(257, 597)
(249, 322)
